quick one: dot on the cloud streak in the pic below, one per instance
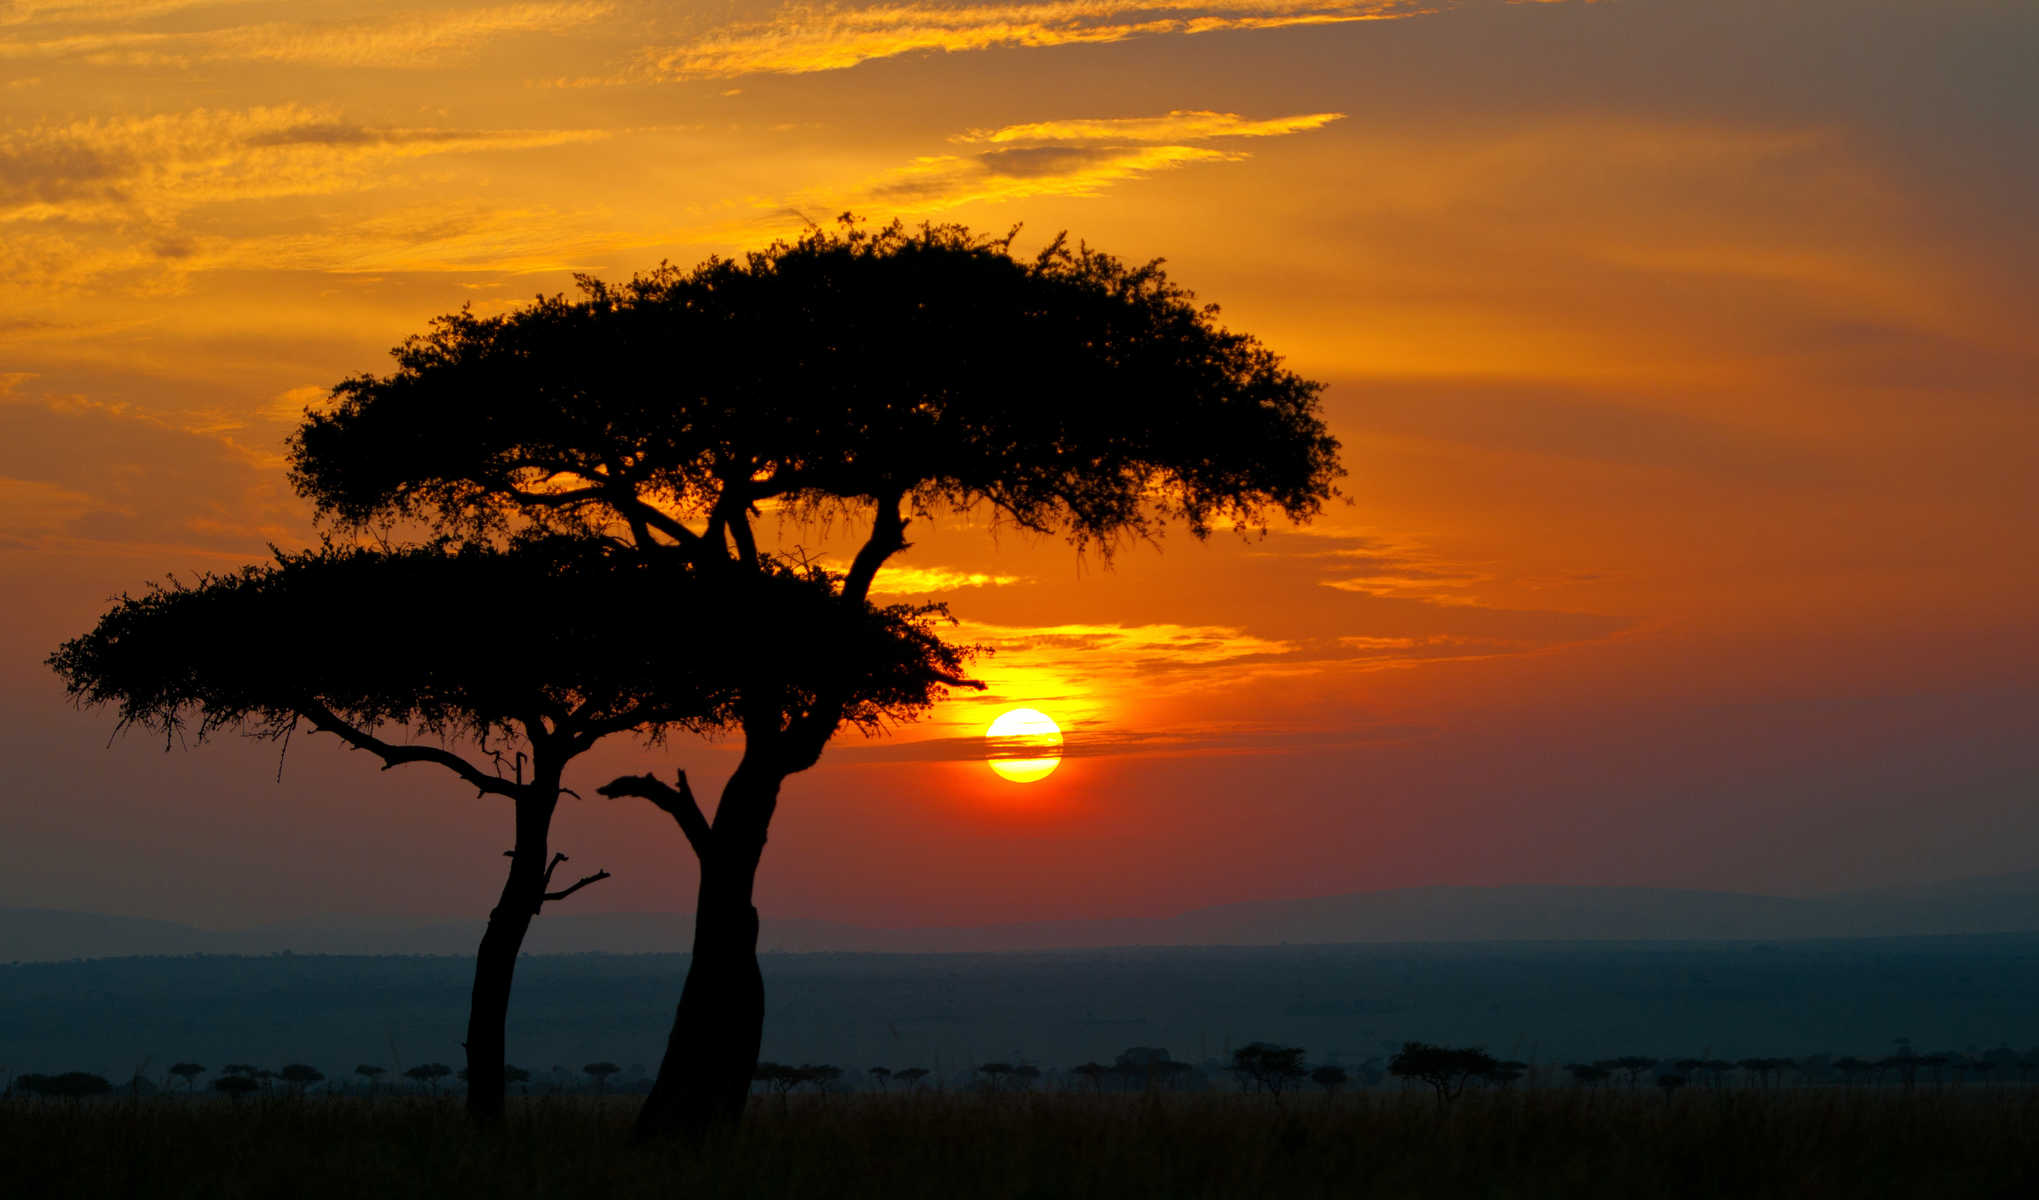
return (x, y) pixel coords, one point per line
(416, 40)
(1079, 158)
(1179, 125)
(801, 39)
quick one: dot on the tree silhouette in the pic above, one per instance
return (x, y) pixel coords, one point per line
(188, 1072)
(1265, 1067)
(233, 1087)
(70, 1085)
(1330, 1079)
(300, 1076)
(911, 1077)
(995, 1074)
(882, 1074)
(1447, 1070)
(429, 1074)
(859, 376)
(600, 1072)
(560, 643)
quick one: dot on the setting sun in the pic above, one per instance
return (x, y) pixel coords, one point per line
(1024, 745)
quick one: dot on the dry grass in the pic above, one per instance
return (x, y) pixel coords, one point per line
(1823, 1142)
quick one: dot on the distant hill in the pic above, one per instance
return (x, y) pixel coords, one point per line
(1995, 904)
(1347, 1004)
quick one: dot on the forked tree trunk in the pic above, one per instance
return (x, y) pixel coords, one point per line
(495, 963)
(705, 1077)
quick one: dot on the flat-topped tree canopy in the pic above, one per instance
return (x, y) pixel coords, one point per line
(565, 637)
(1072, 392)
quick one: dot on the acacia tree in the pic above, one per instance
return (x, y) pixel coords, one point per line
(1446, 1069)
(866, 377)
(528, 653)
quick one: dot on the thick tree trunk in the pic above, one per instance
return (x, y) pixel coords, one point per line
(705, 1076)
(495, 963)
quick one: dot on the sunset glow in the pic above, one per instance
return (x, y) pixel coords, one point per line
(1684, 379)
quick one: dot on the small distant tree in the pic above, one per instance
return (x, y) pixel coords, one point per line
(995, 1074)
(1266, 1067)
(188, 1072)
(429, 1074)
(823, 1076)
(881, 1076)
(911, 1077)
(1447, 1070)
(1508, 1071)
(301, 1076)
(70, 1085)
(1330, 1079)
(1024, 1076)
(247, 1069)
(1586, 1074)
(516, 1075)
(1092, 1073)
(779, 1079)
(1634, 1066)
(1669, 1083)
(370, 1074)
(233, 1087)
(600, 1072)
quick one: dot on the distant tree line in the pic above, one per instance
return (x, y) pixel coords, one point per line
(1261, 1068)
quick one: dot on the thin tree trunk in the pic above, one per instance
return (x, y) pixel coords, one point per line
(495, 963)
(705, 1077)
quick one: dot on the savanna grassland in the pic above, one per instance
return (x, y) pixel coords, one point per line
(1561, 1141)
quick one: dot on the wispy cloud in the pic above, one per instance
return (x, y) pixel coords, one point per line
(1081, 650)
(1078, 157)
(928, 581)
(91, 199)
(408, 40)
(805, 38)
(1180, 125)
(30, 12)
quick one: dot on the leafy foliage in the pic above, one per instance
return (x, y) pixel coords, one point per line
(469, 640)
(1070, 391)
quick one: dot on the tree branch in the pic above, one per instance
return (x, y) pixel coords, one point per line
(636, 508)
(888, 537)
(585, 880)
(326, 720)
(677, 802)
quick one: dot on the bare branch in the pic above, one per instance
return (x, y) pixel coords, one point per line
(585, 880)
(325, 720)
(677, 802)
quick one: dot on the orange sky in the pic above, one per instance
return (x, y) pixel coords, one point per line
(1681, 350)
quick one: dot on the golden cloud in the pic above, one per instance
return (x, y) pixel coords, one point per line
(31, 12)
(1180, 125)
(804, 38)
(937, 182)
(925, 581)
(413, 40)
